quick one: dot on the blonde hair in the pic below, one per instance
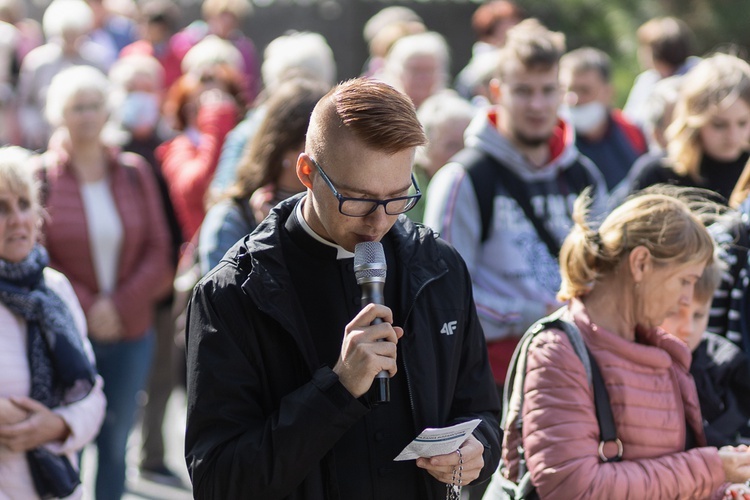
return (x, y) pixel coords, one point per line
(17, 174)
(742, 188)
(238, 8)
(712, 86)
(666, 225)
(710, 279)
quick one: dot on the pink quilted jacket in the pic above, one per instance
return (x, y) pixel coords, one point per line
(653, 400)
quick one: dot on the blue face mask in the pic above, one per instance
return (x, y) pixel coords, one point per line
(139, 109)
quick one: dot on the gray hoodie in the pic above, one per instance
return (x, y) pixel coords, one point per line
(514, 276)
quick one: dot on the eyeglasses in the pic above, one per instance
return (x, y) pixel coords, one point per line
(362, 207)
(82, 108)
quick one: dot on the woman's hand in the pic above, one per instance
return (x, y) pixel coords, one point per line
(736, 462)
(737, 491)
(10, 413)
(41, 426)
(104, 321)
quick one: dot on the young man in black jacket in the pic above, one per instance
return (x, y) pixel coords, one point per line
(278, 371)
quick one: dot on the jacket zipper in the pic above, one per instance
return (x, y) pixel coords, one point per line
(406, 317)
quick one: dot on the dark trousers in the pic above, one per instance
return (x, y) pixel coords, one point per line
(160, 386)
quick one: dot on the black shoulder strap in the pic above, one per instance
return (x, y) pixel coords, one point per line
(607, 430)
(485, 172)
(578, 177)
(517, 376)
(482, 172)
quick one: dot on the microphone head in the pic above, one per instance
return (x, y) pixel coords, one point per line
(369, 262)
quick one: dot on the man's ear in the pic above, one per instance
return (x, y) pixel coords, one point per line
(304, 168)
(640, 262)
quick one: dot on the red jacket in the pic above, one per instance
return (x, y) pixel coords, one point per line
(144, 265)
(653, 400)
(189, 168)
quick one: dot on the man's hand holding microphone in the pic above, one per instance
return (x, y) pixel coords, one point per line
(367, 349)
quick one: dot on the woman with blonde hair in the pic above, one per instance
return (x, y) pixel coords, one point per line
(621, 281)
(709, 137)
(51, 399)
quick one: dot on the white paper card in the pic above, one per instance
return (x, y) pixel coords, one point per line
(432, 442)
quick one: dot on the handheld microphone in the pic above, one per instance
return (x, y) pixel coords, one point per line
(370, 269)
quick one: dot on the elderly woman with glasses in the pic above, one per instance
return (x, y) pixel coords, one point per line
(107, 232)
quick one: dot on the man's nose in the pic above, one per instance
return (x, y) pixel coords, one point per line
(378, 216)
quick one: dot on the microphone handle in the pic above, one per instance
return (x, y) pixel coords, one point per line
(380, 391)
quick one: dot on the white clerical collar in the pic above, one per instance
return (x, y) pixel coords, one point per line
(342, 253)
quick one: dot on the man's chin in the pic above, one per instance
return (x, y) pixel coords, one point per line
(532, 141)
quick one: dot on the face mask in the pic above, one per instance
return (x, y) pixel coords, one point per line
(139, 109)
(587, 117)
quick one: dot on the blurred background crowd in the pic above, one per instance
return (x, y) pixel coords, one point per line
(165, 130)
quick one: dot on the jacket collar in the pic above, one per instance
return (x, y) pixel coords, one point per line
(268, 281)
(59, 160)
(655, 347)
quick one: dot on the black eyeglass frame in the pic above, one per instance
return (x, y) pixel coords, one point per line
(375, 203)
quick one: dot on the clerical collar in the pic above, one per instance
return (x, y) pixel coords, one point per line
(341, 252)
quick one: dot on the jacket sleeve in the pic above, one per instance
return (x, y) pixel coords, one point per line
(236, 445)
(561, 438)
(453, 211)
(220, 230)
(148, 278)
(739, 380)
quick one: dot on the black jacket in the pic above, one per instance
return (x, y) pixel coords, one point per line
(722, 377)
(263, 416)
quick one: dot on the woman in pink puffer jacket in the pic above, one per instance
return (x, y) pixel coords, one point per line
(622, 281)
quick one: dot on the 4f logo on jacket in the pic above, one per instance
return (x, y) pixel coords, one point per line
(449, 328)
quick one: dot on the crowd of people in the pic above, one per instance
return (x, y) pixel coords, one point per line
(179, 207)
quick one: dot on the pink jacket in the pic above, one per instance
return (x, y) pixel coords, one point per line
(653, 400)
(144, 258)
(189, 168)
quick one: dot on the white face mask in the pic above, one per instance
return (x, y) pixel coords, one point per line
(139, 109)
(587, 117)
